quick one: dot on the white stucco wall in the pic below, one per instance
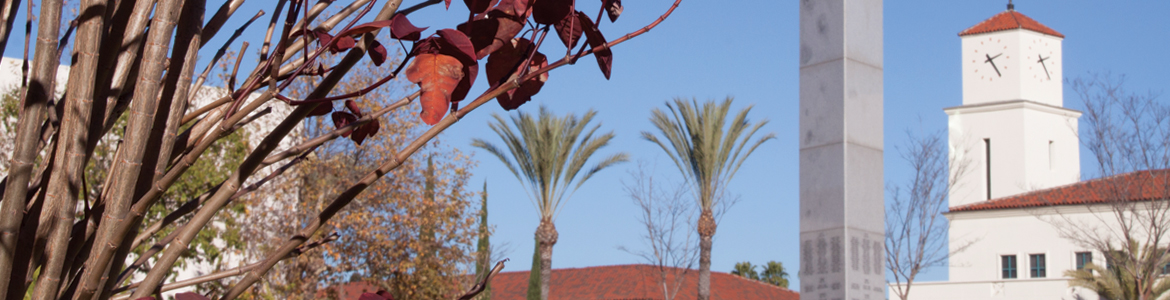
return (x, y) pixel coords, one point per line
(1021, 158)
(975, 273)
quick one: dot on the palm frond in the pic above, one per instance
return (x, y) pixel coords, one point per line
(549, 151)
(704, 144)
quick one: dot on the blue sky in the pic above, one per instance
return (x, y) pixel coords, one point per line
(749, 50)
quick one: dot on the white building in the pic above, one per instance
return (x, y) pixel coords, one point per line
(1021, 152)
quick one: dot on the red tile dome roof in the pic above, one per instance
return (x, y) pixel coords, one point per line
(1008, 20)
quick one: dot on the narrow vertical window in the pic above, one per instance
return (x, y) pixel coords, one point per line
(1009, 266)
(987, 152)
(1083, 258)
(1052, 155)
(1037, 269)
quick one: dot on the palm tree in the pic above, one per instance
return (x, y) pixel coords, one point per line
(1125, 277)
(745, 270)
(708, 150)
(775, 274)
(548, 159)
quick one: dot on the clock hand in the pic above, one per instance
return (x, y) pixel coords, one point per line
(1041, 61)
(991, 60)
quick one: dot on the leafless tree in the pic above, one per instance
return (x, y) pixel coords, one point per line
(136, 61)
(1123, 213)
(667, 216)
(916, 231)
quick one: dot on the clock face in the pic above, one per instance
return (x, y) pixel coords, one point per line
(990, 59)
(1041, 60)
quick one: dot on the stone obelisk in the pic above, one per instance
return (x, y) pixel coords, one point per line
(841, 204)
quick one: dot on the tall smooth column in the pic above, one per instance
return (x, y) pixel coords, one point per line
(841, 204)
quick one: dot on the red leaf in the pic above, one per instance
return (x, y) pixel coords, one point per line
(321, 110)
(372, 127)
(145, 298)
(464, 50)
(490, 31)
(569, 29)
(437, 75)
(341, 118)
(515, 8)
(516, 97)
(402, 29)
(461, 90)
(551, 11)
(479, 6)
(448, 2)
(372, 296)
(385, 294)
(377, 53)
(323, 37)
(501, 64)
(595, 39)
(353, 107)
(613, 8)
(343, 43)
(189, 296)
(362, 132)
(367, 27)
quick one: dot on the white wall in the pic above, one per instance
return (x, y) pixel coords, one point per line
(1000, 290)
(1021, 75)
(976, 273)
(1019, 132)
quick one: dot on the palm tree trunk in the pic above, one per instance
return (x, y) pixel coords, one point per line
(546, 235)
(706, 232)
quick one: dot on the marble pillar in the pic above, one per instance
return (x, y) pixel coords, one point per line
(841, 204)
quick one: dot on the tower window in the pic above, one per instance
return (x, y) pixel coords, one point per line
(1037, 269)
(1052, 155)
(1008, 263)
(987, 153)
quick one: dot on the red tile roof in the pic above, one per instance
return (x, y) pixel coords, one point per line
(1136, 186)
(633, 282)
(1007, 20)
(347, 291)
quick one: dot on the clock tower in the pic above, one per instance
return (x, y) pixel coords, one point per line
(1012, 134)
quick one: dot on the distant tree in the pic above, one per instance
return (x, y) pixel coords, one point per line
(708, 150)
(667, 218)
(746, 270)
(550, 153)
(1128, 134)
(775, 274)
(483, 247)
(534, 283)
(916, 231)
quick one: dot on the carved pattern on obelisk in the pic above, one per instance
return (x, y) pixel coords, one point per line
(822, 261)
(853, 245)
(865, 256)
(878, 256)
(835, 244)
(806, 264)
